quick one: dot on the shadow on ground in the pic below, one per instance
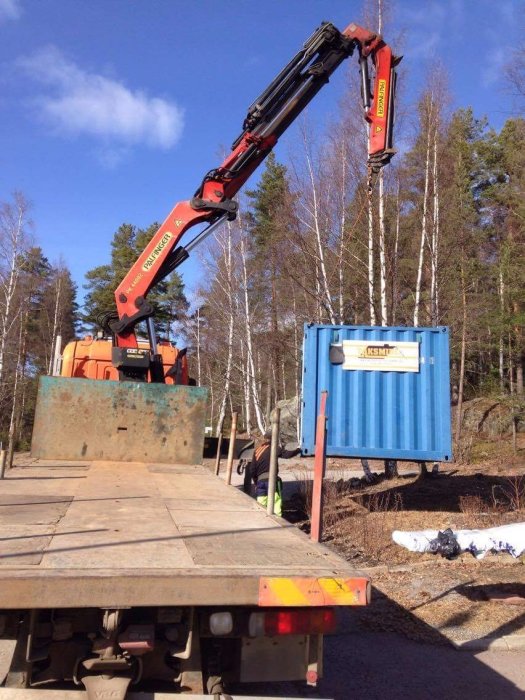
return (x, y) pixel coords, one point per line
(492, 591)
(444, 492)
(384, 665)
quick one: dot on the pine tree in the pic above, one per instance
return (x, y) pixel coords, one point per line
(502, 197)
(45, 300)
(268, 221)
(99, 300)
(167, 297)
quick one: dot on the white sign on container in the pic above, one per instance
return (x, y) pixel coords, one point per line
(392, 356)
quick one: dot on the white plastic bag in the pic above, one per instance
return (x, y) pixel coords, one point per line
(507, 538)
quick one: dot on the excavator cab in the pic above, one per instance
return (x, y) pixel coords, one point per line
(91, 358)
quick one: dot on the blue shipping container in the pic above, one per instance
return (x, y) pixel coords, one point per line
(388, 391)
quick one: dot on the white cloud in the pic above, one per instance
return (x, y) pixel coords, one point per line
(425, 49)
(429, 13)
(10, 9)
(111, 157)
(495, 62)
(79, 102)
(432, 24)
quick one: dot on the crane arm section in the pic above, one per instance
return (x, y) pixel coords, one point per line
(267, 119)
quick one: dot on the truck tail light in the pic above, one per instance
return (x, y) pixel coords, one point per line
(277, 622)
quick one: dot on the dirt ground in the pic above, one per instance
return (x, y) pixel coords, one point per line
(422, 595)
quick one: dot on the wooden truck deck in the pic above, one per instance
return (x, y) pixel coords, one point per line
(111, 534)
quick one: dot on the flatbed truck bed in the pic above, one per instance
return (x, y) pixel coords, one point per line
(94, 554)
(112, 534)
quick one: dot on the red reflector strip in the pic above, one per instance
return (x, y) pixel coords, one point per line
(309, 621)
(302, 592)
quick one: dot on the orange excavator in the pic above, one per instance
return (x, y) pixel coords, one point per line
(126, 357)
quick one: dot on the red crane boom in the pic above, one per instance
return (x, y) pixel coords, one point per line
(267, 119)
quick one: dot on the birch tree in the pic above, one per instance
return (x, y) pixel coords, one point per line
(428, 120)
(225, 281)
(252, 386)
(314, 219)
(427, 163)
(14, 225)
(434, 247)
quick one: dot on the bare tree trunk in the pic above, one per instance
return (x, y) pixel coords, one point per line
(395, 262)
(12, 222)
(252, 380)
(14, 406)
(342, 225)
(463, 355)
(316, 218)
(423, 233)
(231, 324)
(22, 380)
(519, 376)
(245, 403)
(382, 255)
(54, 332)
(246, 391)
(199, 346)
(12, 423)
(519, 350)
(371, 277)
(275, 383)
(269, 393)
(297, 364)
(274, 330)
(23, 398)
(501, 289)
(212, 393)
(283, 376)
(434, 253)
(318, 307)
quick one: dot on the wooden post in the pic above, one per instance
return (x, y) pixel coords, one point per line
(231, 448)
(2, 463)
(316, 518)
(219, 448)
(274, 455)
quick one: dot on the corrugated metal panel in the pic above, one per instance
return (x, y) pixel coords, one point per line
(379, 414)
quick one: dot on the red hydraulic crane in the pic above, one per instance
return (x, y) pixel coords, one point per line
(267, 119)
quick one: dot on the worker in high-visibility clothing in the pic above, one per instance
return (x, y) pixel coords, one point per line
(260, 471)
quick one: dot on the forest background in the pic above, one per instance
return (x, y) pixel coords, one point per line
(436, 239)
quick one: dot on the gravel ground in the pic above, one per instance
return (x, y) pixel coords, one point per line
(429, 599)
(447, 601)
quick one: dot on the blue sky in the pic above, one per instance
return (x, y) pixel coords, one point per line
(112, 110)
